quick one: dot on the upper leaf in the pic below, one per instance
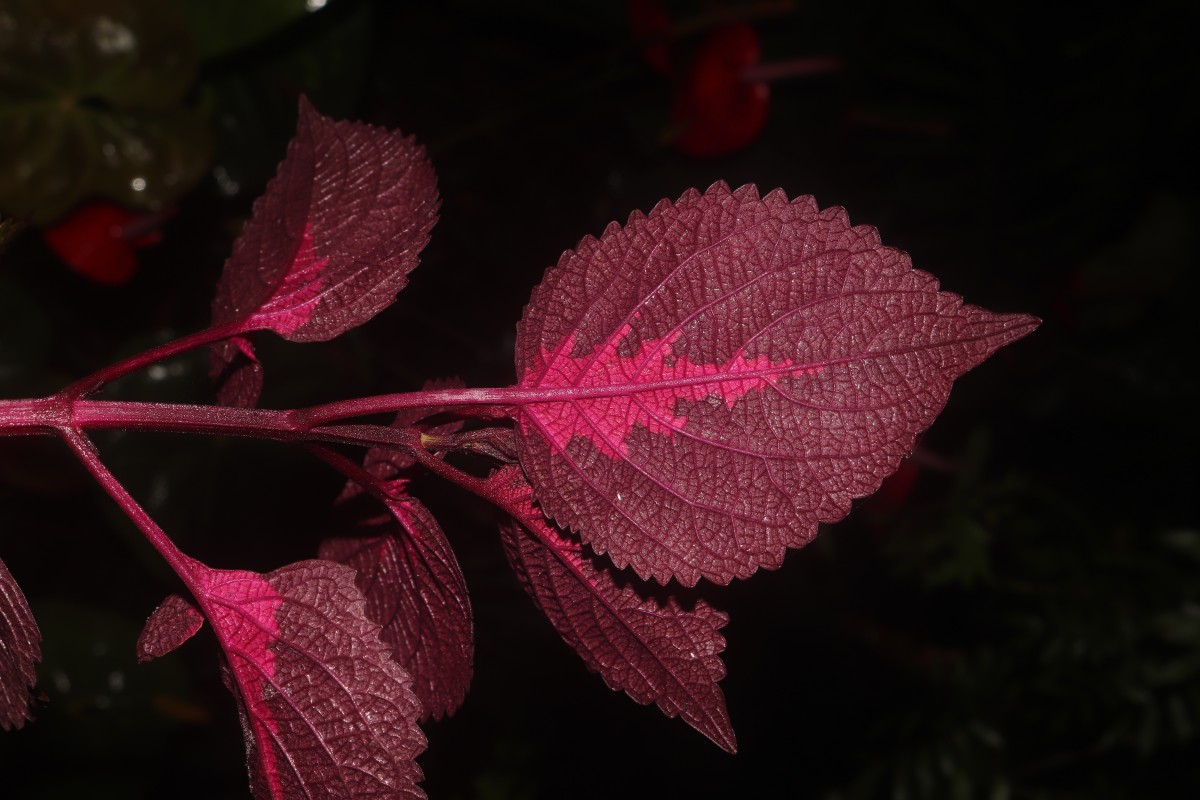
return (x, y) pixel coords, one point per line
(653, 649)
(712, 380)
(325, 710)
(333, 238)
(172, 623)
(415, 590)
(20, 651)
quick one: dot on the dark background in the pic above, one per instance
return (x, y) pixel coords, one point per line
(1019, 617)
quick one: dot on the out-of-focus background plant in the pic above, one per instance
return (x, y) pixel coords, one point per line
(1016, 614)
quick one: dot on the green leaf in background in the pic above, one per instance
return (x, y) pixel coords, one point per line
(91, 103)
(222, 26)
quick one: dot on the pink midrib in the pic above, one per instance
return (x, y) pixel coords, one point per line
(293, 302)
(654, 400)
(223, 611)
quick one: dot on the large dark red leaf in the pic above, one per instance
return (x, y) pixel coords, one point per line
(415, 590)
(650, 647)
(20, 651)
(333, 238)
(326, 712)
(709, 382)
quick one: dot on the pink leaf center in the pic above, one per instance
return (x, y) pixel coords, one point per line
(614, 393)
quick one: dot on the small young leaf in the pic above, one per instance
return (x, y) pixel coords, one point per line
(653, 649)
(714, 379)
(326, 712)
(20, 651)
(415, 591)
(172, 623)
(388, 463)
(333, 238)
(236, 372)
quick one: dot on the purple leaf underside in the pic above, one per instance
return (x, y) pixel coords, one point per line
(334, 236)
(415, 591)
(653, 649)
(169, 626)
(326, 713)
(721, 375)
(236, 372)
(20, 652)
(328, 244)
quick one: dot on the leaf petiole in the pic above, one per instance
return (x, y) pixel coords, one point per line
(97, 380)
(85, 450)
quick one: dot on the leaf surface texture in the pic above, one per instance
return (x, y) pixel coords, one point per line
(20, 652)
(647, 645)
(415, 591)
(710, 381)
(326, 712)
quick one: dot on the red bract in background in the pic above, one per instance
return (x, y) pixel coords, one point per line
(100, 240)
(717, 110)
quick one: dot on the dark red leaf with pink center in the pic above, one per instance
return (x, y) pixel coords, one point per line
(711, 381)
(333, 238)
(415, 591)
(172, 623)
(718, 109)
(20, 651)
(326, 712)
(646, 645)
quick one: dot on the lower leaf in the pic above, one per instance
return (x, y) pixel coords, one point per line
(20, 651)
(326, 712)
(653, 649)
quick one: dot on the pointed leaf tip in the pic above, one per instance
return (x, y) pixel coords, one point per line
(649, 646)
(719, 376)
(20, 652)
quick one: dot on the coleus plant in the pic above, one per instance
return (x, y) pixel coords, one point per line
(697, 390)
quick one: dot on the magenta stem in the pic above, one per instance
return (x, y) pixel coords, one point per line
(86, 451)
(387, 403)
(351, 469)
(410, 442)
(94, 382)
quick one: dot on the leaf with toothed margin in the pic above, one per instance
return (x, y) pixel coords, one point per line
(647, 645)
(708, 382)
(332, 239)
(169, 626)
(414, 590)
(20, 651)
(326, 712)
